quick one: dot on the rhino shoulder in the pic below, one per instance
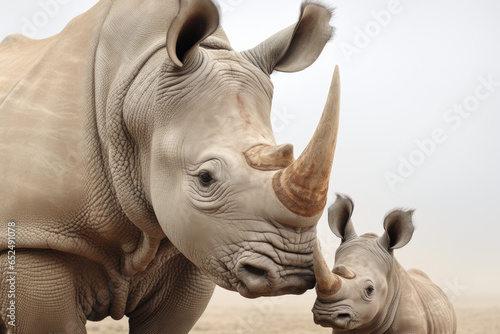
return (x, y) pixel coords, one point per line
(419, 273)
(13, 38)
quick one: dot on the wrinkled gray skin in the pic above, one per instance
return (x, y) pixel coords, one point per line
(369, 292)
(123, 167)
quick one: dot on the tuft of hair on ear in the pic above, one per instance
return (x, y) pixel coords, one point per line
(346, 197)
(328, 7)
(403, 209)
(406, 210)
(317, 2)
(399, 228)
(411, 212)
(339, 218)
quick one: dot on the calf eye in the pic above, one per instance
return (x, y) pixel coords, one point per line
(369, 290)
(205, 178)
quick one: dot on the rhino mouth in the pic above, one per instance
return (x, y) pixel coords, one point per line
(259, 275)
(269, 263)
(340, 318)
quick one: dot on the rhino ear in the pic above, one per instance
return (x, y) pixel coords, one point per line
(195, 21)
(339, 218)
(399, 229)
(296, 47)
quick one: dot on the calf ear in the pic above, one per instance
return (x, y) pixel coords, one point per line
(195, 21)
(399, 229)
(296, 47)
(339, 218)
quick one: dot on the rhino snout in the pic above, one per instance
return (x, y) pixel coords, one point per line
(341, 317)
(263, 277)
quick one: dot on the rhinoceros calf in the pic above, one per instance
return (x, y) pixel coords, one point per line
(138, 168)
(368, 291)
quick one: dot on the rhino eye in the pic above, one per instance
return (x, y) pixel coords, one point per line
(205, 178)
(369, 290)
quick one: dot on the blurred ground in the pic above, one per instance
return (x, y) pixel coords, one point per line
(221, 319)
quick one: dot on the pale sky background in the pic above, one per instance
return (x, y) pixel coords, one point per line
(400, 85)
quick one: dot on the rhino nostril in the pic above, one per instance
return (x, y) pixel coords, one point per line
(254, 271)
(253, 278)
(341, 316)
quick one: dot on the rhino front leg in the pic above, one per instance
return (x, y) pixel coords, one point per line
(45, 294)
(177, 303)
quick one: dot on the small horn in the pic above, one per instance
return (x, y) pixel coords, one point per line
(267, 157)
(327, 283)
(302, 187)
(342, 271)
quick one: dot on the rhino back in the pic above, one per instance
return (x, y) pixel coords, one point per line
(438, 309)
(53, 96)
(44, 96)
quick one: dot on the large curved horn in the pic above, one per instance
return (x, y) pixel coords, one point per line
(302, 187)
(327, 283)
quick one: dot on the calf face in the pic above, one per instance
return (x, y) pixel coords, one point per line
(362, 289)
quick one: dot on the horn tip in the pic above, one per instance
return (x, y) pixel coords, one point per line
(336, 75)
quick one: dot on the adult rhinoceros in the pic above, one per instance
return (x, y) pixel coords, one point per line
(138, 167)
